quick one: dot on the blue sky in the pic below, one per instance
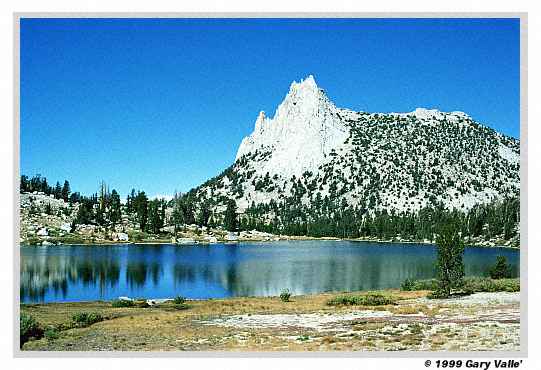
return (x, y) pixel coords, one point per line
(162, 105)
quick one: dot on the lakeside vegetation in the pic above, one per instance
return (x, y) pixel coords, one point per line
(75, 325)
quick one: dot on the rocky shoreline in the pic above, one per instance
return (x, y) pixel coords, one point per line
(56, 228)
(251, 240)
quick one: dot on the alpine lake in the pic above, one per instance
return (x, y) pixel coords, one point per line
(70, 273)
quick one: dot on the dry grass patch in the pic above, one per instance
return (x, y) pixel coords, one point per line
(163, 327)
(411, 340)
(413, 309)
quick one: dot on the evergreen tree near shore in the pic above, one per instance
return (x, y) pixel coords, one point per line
(115, 212)
(230, 216)
(140, 205)
(501, 269)
(450, 263)
(156, 212)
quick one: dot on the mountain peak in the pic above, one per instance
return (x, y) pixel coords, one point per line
(373, 161)
(301, 133)
(309, 83)
(304, 99)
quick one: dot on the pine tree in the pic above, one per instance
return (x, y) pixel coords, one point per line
(501, 269)
(25, 184)
(66, 191)
(57, 191)
(35, 183)
(85, 212)
(230, 216)
(129, 201)
(162, 213)
(177, 219)
(115, 213)
(204, 215)
(44, 187)
(48, 209)
(155, 220)
(140, 205)
(104, 197)
(75, 198)
(188, 216)
(450, 264)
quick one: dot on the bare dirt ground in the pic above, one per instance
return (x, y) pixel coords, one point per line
(480, 322)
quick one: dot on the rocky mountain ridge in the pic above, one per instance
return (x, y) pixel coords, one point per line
(398, 162)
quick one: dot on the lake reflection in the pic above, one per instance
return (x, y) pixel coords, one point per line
(79, 273)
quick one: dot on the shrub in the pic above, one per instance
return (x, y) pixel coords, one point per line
(407, 285)
(438, 294)
(285, 295)
(51, 334)
(181, 306)
(70, 239)
(501, 269)
(478, 284)
(411, 284)
(122, 303)
(344, 300)
(179, 300)
(141, 303)
(29, 328)
(136, 236)
(33, 240)
(429, 284)
(84, 319)
(372, 299)
(377, 300)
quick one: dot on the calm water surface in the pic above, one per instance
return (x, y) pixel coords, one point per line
(82, 273)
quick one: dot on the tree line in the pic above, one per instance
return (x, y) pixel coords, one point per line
(39, 183)
(324, 218)
(321, 217)
(106, 209)
(103, 208)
